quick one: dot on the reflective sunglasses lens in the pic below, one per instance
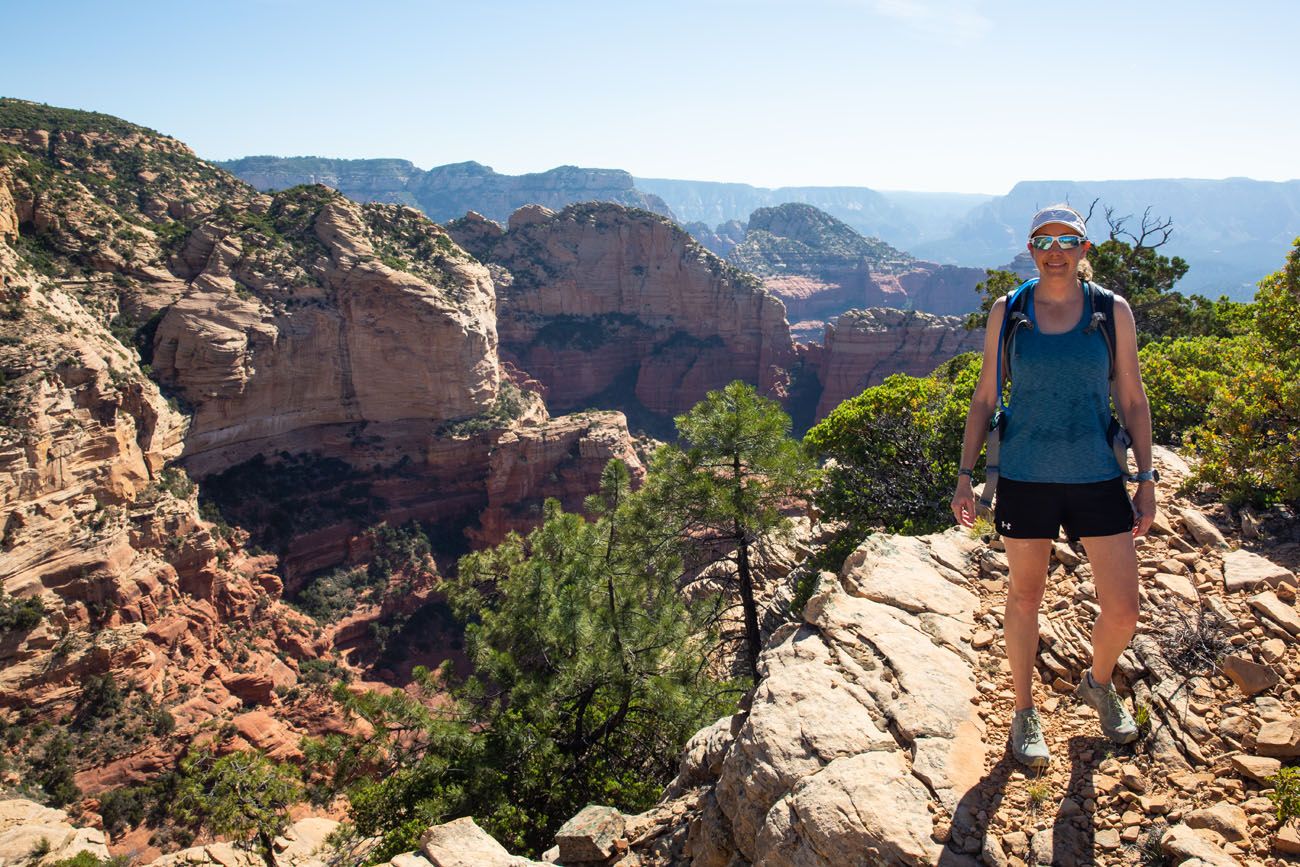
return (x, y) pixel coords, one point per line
(1044, 242)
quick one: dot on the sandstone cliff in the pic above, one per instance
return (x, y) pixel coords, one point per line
(615, 307)
(446, 192)
(820, 267)
(320, 366)
(862, 347)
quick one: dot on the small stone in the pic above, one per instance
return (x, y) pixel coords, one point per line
(982, 639)
(1279, 739)
(1131, 776)
(1275, 609)
(1131, 817)
(1200, 528)
(1287, 840)
(1178, 585)
(1153, 805)
(1160, 525)
(590, 835)
(1016, 843)
(1227, 820)
(991, 852)
(1183, 843)
(1062, 686)
(1107, 840)
(1105, 784)
(1131, 833)
(1272, 650)
(1172, 566)
(1249, 676)
(1065, 555)
(1190, 782)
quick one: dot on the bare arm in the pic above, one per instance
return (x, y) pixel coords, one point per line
(982, 406)
(1131, 398)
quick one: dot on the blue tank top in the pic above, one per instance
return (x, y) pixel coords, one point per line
(1059, 406)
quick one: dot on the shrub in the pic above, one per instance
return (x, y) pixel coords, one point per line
(1249, 443)
(1183, 379)
(1286, 794)
(20, 615)
(893, 451)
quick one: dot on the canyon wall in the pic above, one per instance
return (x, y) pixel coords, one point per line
(862, 347)
(609, 306)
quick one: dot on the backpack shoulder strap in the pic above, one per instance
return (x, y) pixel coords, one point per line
(1012, 316)
(1102, 301)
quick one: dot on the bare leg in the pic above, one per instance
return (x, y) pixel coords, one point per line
(1115, 574)
(1028, 561)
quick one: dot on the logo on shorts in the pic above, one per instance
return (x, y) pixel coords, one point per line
(1006, 525)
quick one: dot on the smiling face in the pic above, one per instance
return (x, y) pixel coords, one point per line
(1056, 262)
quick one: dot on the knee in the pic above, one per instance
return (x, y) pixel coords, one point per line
(1123, 612)
(1025, 599)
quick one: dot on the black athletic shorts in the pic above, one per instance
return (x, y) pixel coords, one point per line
(1038, 510)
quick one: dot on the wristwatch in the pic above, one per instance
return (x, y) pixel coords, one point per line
(1145, 476)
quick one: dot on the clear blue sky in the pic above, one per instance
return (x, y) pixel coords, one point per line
(957, 95)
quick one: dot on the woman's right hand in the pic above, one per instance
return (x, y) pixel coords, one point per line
(963, 503)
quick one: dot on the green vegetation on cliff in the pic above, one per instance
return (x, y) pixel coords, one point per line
(588, 678)
(795, 239)
(591, 668)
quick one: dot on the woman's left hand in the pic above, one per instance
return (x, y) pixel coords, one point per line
(1144, 508)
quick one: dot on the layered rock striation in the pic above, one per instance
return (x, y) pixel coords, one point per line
(820, 267)
(321, 367)
(862, 347)
(611, 306)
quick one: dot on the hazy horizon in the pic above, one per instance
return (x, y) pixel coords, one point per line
(953, 96)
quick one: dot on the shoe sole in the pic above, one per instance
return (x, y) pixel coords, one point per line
(1115, 739)
(1034, 764)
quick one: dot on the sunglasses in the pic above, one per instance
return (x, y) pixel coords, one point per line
(1045, 242)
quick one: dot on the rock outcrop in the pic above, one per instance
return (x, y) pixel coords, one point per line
(320, 366)
(862, 347)
(610, 306)
(27, 828)
(820, 267)
(446, 192)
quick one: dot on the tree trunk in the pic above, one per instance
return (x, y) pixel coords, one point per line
(752, 641)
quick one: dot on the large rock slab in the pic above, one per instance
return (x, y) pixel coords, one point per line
(462, 843)
(1245, 570)
(26, 825)
(863, 716)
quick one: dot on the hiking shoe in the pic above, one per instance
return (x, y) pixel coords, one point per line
(1116, 723)
(1027, 743)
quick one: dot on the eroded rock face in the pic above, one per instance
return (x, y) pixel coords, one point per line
(367, 344)
(862, 347)
(862, 720)
(821, 267)
(562, 458)
(299, 331)
(622, 307)
(25, 824)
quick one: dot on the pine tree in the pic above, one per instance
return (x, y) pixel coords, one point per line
(723, 488)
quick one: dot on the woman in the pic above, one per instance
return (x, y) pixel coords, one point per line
(1058, 470)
